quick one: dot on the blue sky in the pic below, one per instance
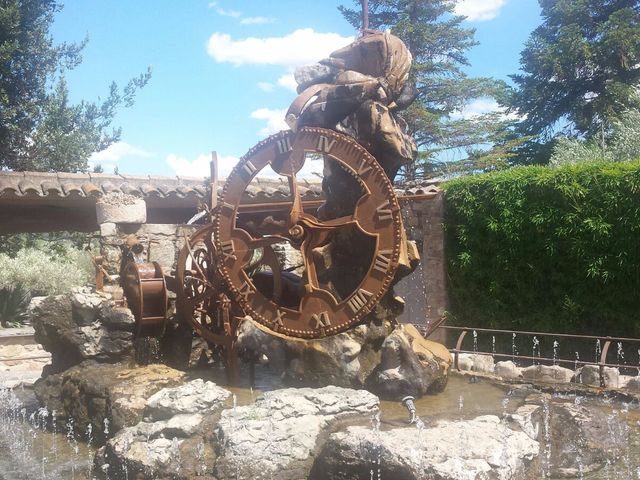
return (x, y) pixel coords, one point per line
(222, 70)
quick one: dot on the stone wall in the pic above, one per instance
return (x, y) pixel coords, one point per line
(425, 291)
(162, 243)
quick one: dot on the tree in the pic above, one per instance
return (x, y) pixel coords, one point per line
(39, 128)
(581, 71)
(438, 42)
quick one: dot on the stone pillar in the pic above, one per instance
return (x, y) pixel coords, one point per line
(434, 262)
(118, 207)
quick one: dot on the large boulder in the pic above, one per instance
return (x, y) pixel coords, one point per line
(390, 361)
(410, 365)
(574, 440)
(175, 439)
(280, 435)
(345, 360)
(106, 396)
(483, 447)
(82, 325)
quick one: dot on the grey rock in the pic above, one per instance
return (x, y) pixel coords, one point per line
(86, 305)
(508, 370)
(547, 374)
(483, 447)
(476, 362)
(82, 326)
(572, 437)
(632, 384)
(308, 75)
(196, 396)
(180, 446)
(283, 431)
(346, 359)
(465, 362)
(116, 318)
(107, 396)
(401, 372)
(590, 375)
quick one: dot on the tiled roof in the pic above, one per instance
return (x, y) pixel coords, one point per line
(87, 185)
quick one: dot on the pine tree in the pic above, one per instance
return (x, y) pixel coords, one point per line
(438, 42)
(581, 72)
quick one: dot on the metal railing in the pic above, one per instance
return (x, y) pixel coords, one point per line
(601, 362)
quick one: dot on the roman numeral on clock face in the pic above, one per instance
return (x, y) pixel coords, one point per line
(321, 319)
(324, 145)
(384, 211)
(245, 291)
(227, 250)
(249, 169)
(279, 318)
(363, 166)
(284, 145)
(359, 300)
(383, 261)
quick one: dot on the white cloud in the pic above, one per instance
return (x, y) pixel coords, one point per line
(200, 166)
(256, 20)
(266, 86)
(480, 106)
(273, 117)
(228, 13)
(116, 151)
(479, 10)
(288, 81)
(300, 47)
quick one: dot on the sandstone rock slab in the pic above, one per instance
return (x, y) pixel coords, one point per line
(106, 396)
(483, 447)
(175, 439)
(547, 374)
(574, 440)
(196, 396)
(281, 433)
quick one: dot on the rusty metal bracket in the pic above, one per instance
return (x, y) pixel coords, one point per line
(456, 351)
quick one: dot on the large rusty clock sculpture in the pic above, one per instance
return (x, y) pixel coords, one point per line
(319, 310)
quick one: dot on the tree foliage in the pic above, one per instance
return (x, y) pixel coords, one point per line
(622, 145)
(547, 249)
(39, 128)
(581, 71)
(438, 42)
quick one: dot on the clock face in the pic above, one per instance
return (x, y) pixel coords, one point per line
(312, 304)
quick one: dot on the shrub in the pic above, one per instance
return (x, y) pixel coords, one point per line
(551, 249)
(45, 272)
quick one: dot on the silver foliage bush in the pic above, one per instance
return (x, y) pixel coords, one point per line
(44, 272)
(623, 144)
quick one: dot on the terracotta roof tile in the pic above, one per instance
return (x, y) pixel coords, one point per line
(92, 185)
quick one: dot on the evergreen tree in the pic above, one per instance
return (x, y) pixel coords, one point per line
(438, 42)
(581, 72)
(39, 128)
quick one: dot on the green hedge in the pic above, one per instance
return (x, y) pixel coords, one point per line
(547, 249)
